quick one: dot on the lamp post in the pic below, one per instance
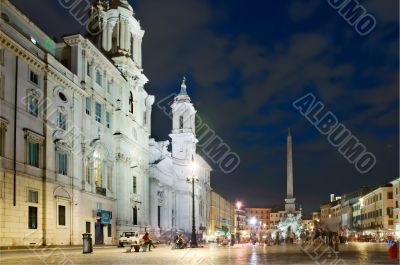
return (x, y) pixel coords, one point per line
(253, 221)
(192, 179)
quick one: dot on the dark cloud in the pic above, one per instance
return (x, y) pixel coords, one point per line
(247, 62)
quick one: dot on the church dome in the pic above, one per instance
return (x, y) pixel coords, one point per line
(120, 3)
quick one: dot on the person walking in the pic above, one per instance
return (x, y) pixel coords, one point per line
(336, 242)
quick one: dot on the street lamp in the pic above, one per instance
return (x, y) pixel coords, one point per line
(252, 222)
(192, 179)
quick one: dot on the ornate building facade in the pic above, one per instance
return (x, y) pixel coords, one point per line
(75, 126)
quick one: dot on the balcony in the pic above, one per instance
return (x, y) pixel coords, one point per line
(101, 191)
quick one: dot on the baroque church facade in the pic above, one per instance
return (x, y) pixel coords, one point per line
(75, 123)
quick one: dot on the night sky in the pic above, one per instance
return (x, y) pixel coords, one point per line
(246, 63)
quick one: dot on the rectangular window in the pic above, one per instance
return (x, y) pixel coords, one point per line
(88, 105)
(2, 56)
(33, 196)
(98, 112)
(135, 222)
(109, 87)
(32, 217)
(62, 164)
(108, 119)
(62, 121)
(144, 118)
(389, 211)
(1, 85)
(33, 105)
(61, 215)
(159, 216)
(109, 230)
(99, 78)
(33, 154)
(88, 171)
(390, 195)
(88, 69)
(109, 177)
(34, 78)
(2, 140)
(88, 227)
(134, 188)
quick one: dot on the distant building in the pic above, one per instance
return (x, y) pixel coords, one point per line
(308, 223)
(240, 222)
(222, 216)
(325, 211)
(262, 216)
(377, 210)
(275, 218)
(396, 208)
(316, 216)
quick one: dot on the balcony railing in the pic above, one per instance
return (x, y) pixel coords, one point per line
(101, 191)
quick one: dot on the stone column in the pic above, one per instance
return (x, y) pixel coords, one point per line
(127, 35)
(104, 35)
(110, 27)
(122, 36)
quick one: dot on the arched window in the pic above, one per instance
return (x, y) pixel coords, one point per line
(181, 122)
(99, 170)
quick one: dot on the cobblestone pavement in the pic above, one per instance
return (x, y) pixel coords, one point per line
(358, 253)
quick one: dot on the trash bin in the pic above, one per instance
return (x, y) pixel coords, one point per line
(87, 246)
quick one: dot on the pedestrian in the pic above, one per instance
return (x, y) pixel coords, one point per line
(148, 241)
(393, 249)
(336, 242)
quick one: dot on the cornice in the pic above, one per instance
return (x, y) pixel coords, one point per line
(31, 59)
(21, 52)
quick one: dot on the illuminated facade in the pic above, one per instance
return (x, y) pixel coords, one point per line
(79, 158)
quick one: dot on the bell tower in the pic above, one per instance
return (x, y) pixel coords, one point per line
(183, 133)
(116, 32)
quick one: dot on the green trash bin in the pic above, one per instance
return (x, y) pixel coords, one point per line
(87, 246)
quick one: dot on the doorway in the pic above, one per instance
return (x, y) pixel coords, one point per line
(99, 237)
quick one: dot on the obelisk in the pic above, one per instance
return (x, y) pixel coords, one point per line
(290, 206)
